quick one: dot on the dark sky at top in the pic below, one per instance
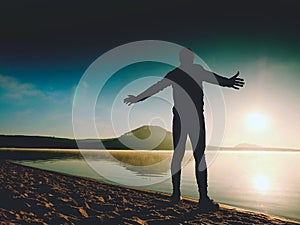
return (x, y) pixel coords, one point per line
(63, 33)
(46, 46)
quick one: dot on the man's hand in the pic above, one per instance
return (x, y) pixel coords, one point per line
(130, 100)
(236, 82)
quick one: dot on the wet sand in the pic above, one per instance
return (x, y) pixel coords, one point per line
(34, 196)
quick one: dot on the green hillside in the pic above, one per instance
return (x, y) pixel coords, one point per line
(148, 137)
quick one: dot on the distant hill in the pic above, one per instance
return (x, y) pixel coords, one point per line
(148, 137)
(142, 138)
(145, 137)
(247, 145)
(254, 147)
(21, 141)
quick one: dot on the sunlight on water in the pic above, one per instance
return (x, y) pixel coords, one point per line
(261, 183)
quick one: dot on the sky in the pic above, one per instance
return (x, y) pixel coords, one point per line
(47, 47)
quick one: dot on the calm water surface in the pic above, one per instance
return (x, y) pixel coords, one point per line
(263, 181)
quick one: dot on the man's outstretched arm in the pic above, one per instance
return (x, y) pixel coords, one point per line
(232, 82)
(155, 88)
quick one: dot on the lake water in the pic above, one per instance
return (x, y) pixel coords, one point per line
(262, 181)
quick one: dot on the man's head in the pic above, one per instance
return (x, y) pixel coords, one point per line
(186, 56)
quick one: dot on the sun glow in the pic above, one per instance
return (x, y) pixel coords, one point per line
(261, 183)
(257, 121)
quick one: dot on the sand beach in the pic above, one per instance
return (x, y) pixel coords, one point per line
(35, 196)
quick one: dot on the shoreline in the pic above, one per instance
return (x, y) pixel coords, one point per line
(210, 149)
(46, 197)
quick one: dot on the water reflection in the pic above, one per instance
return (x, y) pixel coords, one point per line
(140, 158)
(125, 167)
(132, 167)
(261, 183)
(139, 162)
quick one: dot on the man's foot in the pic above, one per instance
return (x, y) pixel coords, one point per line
(208, 205)
(175, 198)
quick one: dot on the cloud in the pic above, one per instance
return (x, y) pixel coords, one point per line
(15, 89)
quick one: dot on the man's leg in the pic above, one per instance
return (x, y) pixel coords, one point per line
(179, 140)
(197, 137)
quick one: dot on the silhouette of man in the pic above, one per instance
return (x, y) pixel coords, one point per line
(188, 119)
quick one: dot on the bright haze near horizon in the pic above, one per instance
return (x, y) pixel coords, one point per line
(46, 47)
